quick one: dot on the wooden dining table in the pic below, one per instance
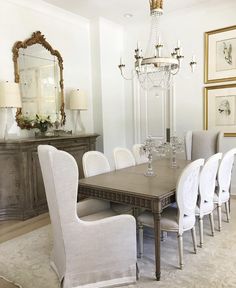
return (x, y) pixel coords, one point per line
(130, 186)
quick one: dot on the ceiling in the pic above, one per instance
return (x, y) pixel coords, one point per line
(115, 9)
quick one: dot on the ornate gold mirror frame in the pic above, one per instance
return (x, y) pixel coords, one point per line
(37, 38)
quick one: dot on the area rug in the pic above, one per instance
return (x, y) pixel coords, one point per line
(25, 260)
(5, 283)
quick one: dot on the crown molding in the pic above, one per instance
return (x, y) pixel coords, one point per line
(51, 10)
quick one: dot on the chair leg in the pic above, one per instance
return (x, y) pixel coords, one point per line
(212, 224)
(201, 230)
(219, 216)
(227, 211)
(193, 232)
(180, 242)
(140, 240)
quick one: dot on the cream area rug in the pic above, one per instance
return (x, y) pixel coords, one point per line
(25, 260)
(5, 283)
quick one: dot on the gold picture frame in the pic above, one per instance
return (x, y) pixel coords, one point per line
(220, 109)
(220, 55)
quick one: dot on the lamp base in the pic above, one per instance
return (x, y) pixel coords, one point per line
(79, 128)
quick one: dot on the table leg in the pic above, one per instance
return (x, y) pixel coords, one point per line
(157, 235)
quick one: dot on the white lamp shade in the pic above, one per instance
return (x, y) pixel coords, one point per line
(78, 100)
(10, 95)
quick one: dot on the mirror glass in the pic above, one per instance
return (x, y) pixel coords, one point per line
(38, 69)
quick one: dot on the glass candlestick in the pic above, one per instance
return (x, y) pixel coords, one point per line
(150, 171)
(148, 148)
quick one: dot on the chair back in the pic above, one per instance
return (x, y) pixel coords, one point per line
(202, 144)
(225, 171)
(208, 179)
(60, 177)
(187, 191)
(138, 155)
(123, 158)
(95, 163)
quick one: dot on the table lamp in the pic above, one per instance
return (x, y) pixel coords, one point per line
(78, 102)
(9, 98)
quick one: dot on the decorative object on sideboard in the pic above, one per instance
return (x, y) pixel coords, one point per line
(9, 98)
(154, 70)
(38, 68)
(78, 102)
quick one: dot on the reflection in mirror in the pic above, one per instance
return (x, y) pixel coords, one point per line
(38, 69)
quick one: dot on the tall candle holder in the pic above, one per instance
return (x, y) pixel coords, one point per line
(176, 146)
(148, 147)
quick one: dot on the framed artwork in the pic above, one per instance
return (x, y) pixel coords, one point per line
(220, 109)
(220, 55)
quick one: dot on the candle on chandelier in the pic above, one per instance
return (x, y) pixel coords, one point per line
(178, 44)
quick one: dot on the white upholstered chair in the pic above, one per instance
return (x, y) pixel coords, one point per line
(206, 192)
(181, 218)
(123, 158)
(222, 193)
(86, 253)
(139, 157)
(95, 163)
(202, 144)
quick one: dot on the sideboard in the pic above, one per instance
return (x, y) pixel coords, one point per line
(22, 193)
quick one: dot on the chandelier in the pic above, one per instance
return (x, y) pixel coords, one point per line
(154, 70)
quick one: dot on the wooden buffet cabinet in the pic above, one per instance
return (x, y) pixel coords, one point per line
(22, 193)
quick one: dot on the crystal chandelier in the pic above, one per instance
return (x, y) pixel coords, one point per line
(154, 70)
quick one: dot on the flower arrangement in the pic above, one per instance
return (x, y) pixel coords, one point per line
(39, 122)
(42, 123)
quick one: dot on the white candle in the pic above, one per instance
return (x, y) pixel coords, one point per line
(121, 61)
(138, 45)
(178, 44)
(159, 40)
(193, 58)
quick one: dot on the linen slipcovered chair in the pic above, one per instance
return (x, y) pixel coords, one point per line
(95, 163)
(123, 158)
(222, 192)
(86, 253)
(202, 144)
(181, 218)
(206, 192)
(140, 158)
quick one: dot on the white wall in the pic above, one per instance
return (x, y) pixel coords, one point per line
(189, 26)
(111, 39)
(66, 32)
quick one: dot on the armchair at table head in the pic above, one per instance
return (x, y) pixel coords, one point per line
(202, 144)
(82, 249)
(123, 158)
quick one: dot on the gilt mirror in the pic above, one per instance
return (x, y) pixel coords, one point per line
(39, 71)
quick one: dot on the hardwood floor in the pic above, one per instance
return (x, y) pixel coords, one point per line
(12, 228)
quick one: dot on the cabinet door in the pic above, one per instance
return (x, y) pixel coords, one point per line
(40, 200)
(11, 198)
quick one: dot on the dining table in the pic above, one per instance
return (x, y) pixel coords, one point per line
(130, 186)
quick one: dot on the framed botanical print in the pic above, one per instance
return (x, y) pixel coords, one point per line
(220, 55)
(220, 109)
